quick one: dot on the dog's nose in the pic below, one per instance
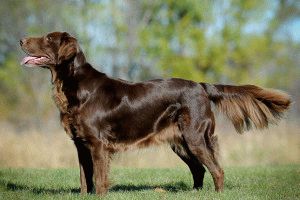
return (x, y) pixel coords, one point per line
(22, 42)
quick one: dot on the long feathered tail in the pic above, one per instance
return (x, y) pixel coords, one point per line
(248, 105)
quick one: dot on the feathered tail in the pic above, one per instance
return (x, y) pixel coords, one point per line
(248, 105)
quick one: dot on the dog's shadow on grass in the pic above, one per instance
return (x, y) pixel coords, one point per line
(40, 190)
(175, 187)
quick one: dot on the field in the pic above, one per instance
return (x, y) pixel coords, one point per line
(273, 182)
(258, 165)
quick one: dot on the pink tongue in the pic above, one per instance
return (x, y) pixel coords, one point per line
(26, 59)
(33, 60)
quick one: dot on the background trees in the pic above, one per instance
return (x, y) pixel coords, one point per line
(233, 41)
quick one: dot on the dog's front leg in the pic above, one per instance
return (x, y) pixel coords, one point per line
(86, 167)
(100, 157)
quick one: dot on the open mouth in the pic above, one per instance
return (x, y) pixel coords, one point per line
(35, 60)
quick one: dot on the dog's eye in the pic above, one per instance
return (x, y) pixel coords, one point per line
(49, 38)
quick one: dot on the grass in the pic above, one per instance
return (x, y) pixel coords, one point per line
(267, 182)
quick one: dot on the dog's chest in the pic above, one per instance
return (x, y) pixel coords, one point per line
(61, 101)
(59, 97)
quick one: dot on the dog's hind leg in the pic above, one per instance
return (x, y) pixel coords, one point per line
(196, 123)
(192, 162)
(203, 145)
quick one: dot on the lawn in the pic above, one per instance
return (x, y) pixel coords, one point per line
(273, 182)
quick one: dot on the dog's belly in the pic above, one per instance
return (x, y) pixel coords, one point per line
(131, 131)
(170, 134)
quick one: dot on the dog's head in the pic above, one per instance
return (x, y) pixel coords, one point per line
(51, 50)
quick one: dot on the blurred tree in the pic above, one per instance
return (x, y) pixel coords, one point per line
(173, 36)
(227, 41)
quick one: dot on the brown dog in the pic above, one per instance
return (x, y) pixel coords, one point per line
(104, 115)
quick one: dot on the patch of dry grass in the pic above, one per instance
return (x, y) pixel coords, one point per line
(33, 149)
(277, 145)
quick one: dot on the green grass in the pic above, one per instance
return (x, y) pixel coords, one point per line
(274, 182)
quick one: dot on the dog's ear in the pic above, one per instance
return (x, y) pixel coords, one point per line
(68, 48)
(79, 59)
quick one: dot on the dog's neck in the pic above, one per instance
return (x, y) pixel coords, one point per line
(59, 75)
(66, 78)
(68, 68)
(66, 75)
(62, 72)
